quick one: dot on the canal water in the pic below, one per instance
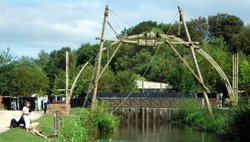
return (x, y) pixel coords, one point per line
(165, 132)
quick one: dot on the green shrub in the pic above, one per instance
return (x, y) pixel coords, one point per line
(233, 122)
(107, 123)
(73, 133)
(240, 123)
(101, 119)
(192, 114)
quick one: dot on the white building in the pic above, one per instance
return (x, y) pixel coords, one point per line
(154, 87)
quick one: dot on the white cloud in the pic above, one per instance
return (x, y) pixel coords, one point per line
(48, 25)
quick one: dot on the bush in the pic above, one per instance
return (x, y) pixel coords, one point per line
(101, 118)
(240, 124)
(234, 122)
(89, 124)
(190, 113)
(73, 133)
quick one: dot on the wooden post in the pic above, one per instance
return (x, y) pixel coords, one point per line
(235, 67)
(95, 86)
(147, 120)
(67, 79)
(195, 60)
(143, 120)
(237, 78)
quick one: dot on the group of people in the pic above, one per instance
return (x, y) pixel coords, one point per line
(25, 120)
(27, 123)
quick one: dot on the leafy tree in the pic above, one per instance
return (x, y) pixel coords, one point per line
(56, 64)
(86, 52)
(107, 82)
(142, 27)
(58, 58)
(27, 80)
(137, 62)
(43, 59)
(244, 75)
(59, 83)
(182, 80)
(125, 82)
(22, 78)
(224, 25)
(5, 56)
(5, 78)
(217, 49)
(241, 41)
(145, 26)
(84, 81)
(198, 29)
(170, 29)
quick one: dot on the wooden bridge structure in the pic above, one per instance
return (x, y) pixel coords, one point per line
(153, 40)
(145, 110)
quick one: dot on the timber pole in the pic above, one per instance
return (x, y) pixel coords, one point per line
(67, 79)
(235, 65)
(195, 60)
(95, 86)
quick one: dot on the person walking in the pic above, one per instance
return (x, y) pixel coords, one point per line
(45, 103)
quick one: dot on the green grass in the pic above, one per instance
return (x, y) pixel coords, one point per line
(82, 125)
(20, 135)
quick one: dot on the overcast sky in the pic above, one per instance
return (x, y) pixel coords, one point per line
(29, 26)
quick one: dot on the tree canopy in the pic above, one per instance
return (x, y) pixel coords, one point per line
(218, 35)
(22, 78)
(224, 25)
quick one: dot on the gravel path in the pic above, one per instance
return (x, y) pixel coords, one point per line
(6, 116)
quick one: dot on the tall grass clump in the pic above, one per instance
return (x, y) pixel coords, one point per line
(100, 120)
(88, 124)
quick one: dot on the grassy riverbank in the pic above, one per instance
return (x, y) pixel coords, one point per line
(233, 123)
(82, 125)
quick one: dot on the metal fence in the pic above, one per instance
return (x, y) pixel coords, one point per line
(17, 103)
(148, 102)
(138, 99)
(146, 95)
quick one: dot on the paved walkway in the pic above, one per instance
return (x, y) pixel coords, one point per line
(6, 116)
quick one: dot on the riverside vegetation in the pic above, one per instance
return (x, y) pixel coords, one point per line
(233, 123)
(83, 125)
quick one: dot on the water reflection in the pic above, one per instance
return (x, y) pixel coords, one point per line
(154, 132)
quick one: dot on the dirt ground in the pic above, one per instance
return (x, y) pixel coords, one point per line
(6, 116)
